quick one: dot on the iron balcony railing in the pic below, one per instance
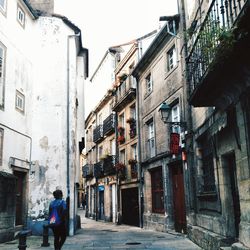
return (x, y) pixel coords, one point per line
(109, 165)
(87, 171)
(98, 133)
(215, 29)
(98, 169)
(125, 92)
(109, 124)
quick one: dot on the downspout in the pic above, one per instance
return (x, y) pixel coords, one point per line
(70, 220)
(141, 181)
(191, 182)
(96, 178)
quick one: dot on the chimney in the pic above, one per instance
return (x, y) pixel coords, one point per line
(44, 6)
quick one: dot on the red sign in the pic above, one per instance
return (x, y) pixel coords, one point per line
(174, 143)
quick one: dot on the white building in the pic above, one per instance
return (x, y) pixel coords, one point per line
(42, 69)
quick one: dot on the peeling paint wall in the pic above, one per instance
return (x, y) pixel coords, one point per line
(36, 140)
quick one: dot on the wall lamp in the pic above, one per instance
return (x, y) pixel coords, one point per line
(165, 110)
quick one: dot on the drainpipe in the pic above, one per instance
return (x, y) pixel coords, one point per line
(96, 178)
(70, 220)
(190, 181)
(140, 175)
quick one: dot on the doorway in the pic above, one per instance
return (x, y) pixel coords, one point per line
(101, 205)
(20, 197)
(130, 206)
(232, 190)
(179, 199)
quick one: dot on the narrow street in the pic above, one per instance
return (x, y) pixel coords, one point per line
(101, 235)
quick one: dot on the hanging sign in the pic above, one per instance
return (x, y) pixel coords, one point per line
(174, 143)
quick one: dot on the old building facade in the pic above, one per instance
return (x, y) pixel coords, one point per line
(99, 171)
(35, 156)
(218, 82)
(126, 139)
(160, 80)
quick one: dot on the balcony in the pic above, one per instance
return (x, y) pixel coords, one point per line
(98, 169)
(109, 165)
(125, 93)
(98, 134)
(109, 125)
(87, 171)
(132, 129)
(218, 55)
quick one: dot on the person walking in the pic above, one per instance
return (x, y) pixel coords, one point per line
(57, 219)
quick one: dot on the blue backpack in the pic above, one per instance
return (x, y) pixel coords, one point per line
(56, 210)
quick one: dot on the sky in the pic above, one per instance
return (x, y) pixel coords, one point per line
(105, 23)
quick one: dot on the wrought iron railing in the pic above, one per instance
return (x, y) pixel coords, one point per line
(109, 124)
(125, 87)
(109, 165)
(98, 133)
(87, 171)
(134, 170)
(98, 169)
(215, 29)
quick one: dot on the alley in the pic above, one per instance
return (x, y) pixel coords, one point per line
(101, 235)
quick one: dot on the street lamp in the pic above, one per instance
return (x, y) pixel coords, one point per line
(165, 110)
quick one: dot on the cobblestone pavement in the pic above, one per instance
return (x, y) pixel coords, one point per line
(104, 235)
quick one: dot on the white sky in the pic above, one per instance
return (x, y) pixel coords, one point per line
(105, 23)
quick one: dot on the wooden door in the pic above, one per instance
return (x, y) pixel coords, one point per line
(130, 206)
(20, 187)
(179, 199)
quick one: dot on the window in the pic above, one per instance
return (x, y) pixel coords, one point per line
(20, 101)
(207, 181)
(3, 6)
(122, 156)
(134, 152)
(157, 191)
(171, 58)
(149, 83)
(20, 16)
(175, 117)
(100, 152)
(132, 80)
(151, 140)
(2, 74)
(100, 119)
(1, 146)
(111, 107)
(133, 112)
(122, 120)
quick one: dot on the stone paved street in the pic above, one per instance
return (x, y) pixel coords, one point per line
(101, 235)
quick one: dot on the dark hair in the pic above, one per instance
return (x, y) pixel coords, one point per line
(58, 194)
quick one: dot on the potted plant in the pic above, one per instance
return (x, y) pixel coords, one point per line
(119, 166)
(121, 139)
(132, 161)
(120, 129)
